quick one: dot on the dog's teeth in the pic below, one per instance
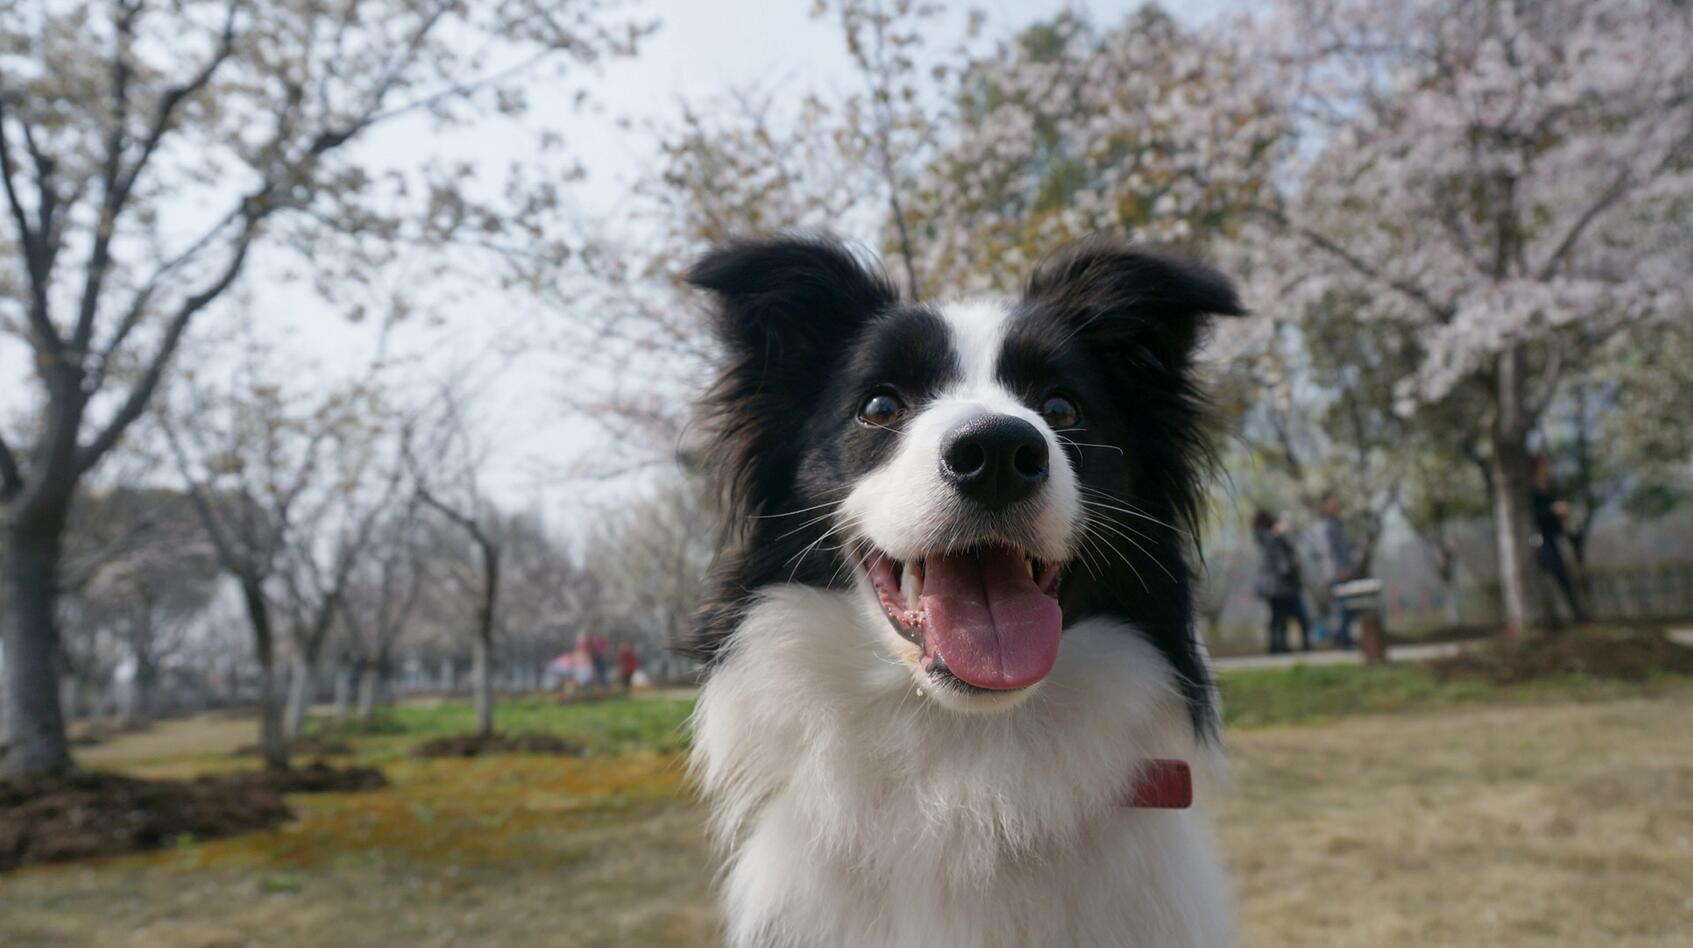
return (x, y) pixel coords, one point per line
(912, 583)
(1034, 573)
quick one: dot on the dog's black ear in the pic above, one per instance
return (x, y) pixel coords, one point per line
(789, 297)
(786, 309)
(1134, 299)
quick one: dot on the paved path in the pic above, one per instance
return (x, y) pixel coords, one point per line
(1396, 653)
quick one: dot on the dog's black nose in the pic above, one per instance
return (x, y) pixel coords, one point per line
(995, 460)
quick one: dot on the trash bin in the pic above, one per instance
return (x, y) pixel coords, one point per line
(1361, 598)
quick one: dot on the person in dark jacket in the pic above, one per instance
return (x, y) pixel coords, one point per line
(1279, 580)
(1549, 515)
(1343, 564)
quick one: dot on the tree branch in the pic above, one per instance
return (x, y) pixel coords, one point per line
(118, 184)
(38, 260)
(11, 478)
(136, 402)
(137, 310)
(1619, 187)
(1546, 387)
(203, 507)
(1358, 264)
(20, 217)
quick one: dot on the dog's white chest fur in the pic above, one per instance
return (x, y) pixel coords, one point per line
(858, 812)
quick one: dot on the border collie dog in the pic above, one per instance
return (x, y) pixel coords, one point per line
(951, 629)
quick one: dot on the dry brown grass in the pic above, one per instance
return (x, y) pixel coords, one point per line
(1522, 825)
(1542, 825)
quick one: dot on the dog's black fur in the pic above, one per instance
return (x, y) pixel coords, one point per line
(808, 329)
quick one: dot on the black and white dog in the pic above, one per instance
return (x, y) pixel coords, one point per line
(952, 625)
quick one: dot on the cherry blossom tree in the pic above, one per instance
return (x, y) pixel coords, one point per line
(382, 597)
(446, 457)
(1145, 129)
(1505, 183)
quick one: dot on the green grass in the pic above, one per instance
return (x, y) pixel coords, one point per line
(1266, 697)
(613, 726)
(1251, 698)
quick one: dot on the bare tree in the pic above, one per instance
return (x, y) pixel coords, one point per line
(888, 128)
(254, 461)
(120, 122)
(445, 459)
(649, 559)
(381, 598)
(139, 572)
(316, 575)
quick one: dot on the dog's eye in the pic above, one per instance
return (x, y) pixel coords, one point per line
(882, 409)
(1060, 412)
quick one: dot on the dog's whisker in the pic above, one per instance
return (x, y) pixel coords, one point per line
(1103, 509)
(1090, 444)
(1121, 556)
(798, 559)
(793, 513)
(1118, 530)
(851, 557)
(1117, 504)
(814, 520)
(1082, 556)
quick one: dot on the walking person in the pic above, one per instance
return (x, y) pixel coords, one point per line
(1343, 565)
(628, 663)
(599, 650)
(1549, 516)
(1279, 580)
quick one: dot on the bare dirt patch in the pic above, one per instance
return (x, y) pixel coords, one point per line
(77, 816)
(474, 745)
(304, 747)
(98, 814)
(1600, 653)
(315, 777)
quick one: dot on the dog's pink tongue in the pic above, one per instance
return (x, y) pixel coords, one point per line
(989, 620)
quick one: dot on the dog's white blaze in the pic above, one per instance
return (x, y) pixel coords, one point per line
(978, 332)
(855, 814)
(905, 506)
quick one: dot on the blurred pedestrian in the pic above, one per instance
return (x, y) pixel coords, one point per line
(1279, 580)
(1343, 564)
(1550, 513)
(599, 650)
(628, 663)
(582, 661)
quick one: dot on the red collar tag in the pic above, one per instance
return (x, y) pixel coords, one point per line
(1163, 785)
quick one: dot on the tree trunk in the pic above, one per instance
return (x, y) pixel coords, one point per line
(1453, 609)
(138, 703)
(302, 689)
(482, 672)
(35, 722)
(370, 682)
(70, 697)
(1511, 479)
(272, 745)
(344, 682)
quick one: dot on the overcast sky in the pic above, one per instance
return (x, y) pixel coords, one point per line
(701, 48)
